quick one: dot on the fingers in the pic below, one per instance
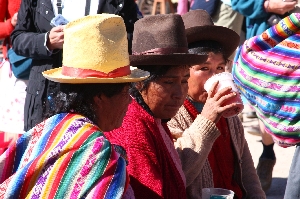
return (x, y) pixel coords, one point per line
(222, 92)
(56, 38)
(213, 89)
(58, 29)
(281, 7)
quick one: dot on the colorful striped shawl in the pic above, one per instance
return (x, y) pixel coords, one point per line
(66, 156)
(267, 72)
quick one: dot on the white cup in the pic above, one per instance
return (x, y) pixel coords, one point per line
(217, 193)
(225, 80)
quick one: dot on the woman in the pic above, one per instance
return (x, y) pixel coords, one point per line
(159, 46)
(257, 14)
(67, 155)
(267, 73)
(35, 37)
(218, 154)
(12, 105)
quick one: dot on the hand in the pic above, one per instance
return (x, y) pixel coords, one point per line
(56, 38)
(279, 6)
(213, 109)
(14, 19)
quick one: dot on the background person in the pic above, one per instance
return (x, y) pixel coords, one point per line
(34, 37)
(12, 88)
(257, 13)
(270, 87)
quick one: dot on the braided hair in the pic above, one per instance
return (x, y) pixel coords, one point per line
(79, 98)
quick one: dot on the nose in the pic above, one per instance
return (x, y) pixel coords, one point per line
(179, 92)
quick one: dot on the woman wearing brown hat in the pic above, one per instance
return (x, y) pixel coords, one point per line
(160, 47)
(221, 157)
(67, 155)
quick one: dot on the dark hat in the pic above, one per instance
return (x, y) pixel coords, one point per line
(161, 40)
(199, 26)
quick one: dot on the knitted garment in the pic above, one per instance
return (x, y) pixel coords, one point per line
(195, 139)
(154, 166)
(266, 70)
(222, 164)
(66, 156)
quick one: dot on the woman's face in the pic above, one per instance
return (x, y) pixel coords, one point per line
(165, 95)
(214, 64)
(112, 110)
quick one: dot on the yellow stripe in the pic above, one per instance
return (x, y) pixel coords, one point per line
(68, 146)
(41, 163)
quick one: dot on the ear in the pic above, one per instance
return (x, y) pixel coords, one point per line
(139, 85)
(98, 100)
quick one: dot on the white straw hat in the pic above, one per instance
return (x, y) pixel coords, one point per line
(95, 51)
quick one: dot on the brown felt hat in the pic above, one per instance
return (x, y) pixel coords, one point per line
(199, 26)
(161, 40)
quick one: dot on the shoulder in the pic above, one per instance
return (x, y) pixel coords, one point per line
(138, 127)
(181, 121)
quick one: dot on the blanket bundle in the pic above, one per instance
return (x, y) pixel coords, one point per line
(267, 72)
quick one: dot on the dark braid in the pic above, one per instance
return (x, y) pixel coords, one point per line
(79, 98)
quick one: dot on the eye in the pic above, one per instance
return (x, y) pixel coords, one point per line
(168, 82)
(204, 68)
(221, 68)
(184, 81)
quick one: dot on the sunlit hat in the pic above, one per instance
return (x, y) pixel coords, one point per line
(161, 40)
(95, 50)
(199, 26)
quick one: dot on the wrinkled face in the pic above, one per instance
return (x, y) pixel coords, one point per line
(214, 64)
(165, 95)
(113, 109)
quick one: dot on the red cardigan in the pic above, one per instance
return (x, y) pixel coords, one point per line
(153, 173)
(7, 10)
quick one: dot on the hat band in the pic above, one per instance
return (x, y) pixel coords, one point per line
(163, 51)
(84, 73)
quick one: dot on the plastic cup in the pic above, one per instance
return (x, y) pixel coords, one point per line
(225, 80)
(217, 193)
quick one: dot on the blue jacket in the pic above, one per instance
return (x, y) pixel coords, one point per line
(255, 14)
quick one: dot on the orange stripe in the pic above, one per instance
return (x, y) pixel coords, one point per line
(31, 174)
(65, 163)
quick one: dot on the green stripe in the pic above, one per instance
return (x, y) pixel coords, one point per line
(75, 164)
(262, 90)
(265, 77)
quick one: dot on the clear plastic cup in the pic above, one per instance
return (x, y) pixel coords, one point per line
(217, 193)
(225, 80)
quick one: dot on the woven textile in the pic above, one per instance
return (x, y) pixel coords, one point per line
(154, 166)
(66, 156)
(266, 70)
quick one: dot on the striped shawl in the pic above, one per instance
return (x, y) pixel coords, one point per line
(66, 156)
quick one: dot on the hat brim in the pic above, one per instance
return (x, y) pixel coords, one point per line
(173, 59)
(56, 76)
(228, 38)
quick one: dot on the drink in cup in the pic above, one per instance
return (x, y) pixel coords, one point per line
(225, 80)
(217, 193)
